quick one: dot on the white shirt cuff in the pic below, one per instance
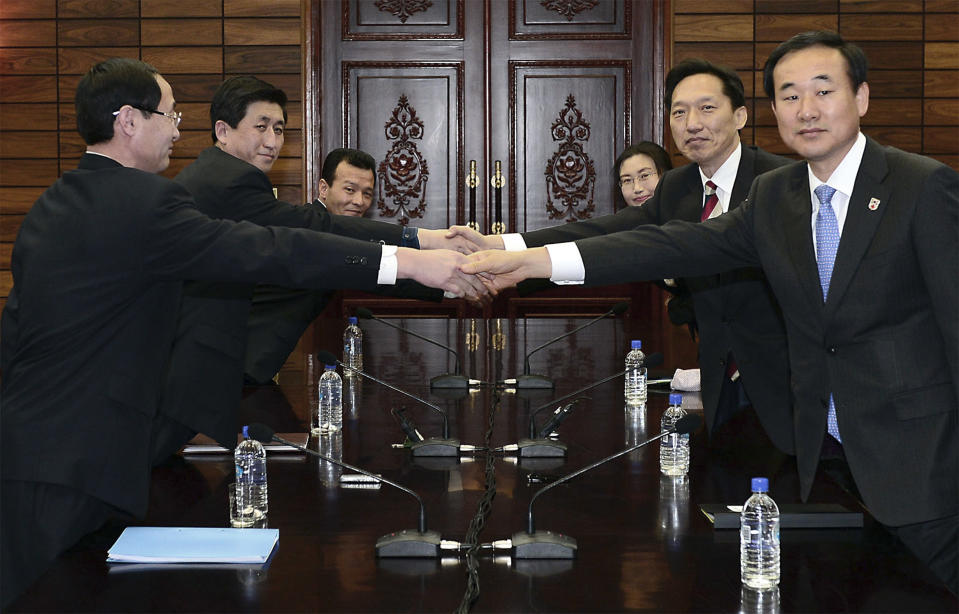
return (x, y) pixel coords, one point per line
(388, 266)
(567, 264)
(513, 242)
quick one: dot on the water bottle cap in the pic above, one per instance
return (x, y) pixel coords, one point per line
(675, 398)
(636, 344)
(246, 434)
(760, 485)
(353, 320)
(331, 367)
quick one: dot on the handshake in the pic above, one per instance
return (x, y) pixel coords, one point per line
(465, 263)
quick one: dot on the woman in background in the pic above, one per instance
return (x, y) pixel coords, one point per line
(638, 170)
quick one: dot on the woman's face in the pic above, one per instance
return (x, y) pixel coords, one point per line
(637, 179)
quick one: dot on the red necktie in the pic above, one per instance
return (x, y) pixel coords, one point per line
(712, 201)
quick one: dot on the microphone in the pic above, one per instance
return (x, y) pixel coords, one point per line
(447, 380)
(533, 544)
(527, 380)
(424, 447)
(408, 543)
(538, 445)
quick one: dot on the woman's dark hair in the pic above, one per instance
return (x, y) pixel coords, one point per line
(659, 156)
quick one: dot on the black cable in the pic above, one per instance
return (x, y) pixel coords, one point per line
(471, 541)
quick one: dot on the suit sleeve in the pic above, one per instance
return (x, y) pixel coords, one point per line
(675, 249)
(934, 236)
(628, 218)
(182, 243)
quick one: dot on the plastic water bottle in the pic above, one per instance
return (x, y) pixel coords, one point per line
(330, 444)
(250, 460)
(636, 375)
(352, 347)
(673, 449)
(759, 539)
(330, 406)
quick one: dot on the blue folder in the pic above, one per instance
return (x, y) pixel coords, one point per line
(193, 545)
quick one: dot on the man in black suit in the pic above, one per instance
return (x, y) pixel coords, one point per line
(279, 316)
(740, 326)
(228, 181)
(860, 244)
(90, 322)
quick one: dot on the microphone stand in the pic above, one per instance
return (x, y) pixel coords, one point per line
(533, 544)
(433, 446)
(408, 543)
(531, 381)
(446, 380)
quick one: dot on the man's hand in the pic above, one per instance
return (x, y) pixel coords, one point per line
(500, 270)
(445, 239)
(441, 269)
(483, 241)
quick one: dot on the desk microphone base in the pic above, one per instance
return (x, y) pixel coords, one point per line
(409, 543)
(536, 382)
(449, 380)
(540, 448)
(543, 545)
(436, 447)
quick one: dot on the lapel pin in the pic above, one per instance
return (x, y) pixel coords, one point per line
(873, 204)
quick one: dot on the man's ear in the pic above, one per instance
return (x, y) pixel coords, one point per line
(221, 129)
(324, 188)
(127, 120)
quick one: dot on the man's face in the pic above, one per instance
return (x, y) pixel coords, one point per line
(153, 142)
(704, 124)
(816, 107)
(257, 138)
(351, 192)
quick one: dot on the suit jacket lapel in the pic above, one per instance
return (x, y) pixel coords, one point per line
(689, 205)
(861, 222)
(744, 177)
(797, 221)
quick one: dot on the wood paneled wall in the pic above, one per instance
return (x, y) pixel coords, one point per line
(912, 46)
(45, 45)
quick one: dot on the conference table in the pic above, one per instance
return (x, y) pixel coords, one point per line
(643, 543)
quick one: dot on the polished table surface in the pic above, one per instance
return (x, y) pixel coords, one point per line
(643, 544)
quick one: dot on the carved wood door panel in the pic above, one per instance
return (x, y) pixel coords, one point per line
(552, 89)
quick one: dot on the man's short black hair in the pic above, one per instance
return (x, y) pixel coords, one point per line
(353, 157)
(732, 84)
(658, 155)
(856, 63)
(234, 95)
(106, 87)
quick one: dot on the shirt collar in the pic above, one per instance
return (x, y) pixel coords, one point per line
(843, 179)
(725, 175)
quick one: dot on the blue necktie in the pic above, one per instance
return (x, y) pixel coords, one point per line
(827, 242)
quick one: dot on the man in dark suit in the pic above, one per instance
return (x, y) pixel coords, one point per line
(740, 326)
(279, 316)
(859, 243)
(229, 181)
(88, 327)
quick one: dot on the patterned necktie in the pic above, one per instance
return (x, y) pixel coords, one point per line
(711, 208)
(827, 242)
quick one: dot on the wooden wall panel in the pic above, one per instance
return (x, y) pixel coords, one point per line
(46, 45)
(912, 46)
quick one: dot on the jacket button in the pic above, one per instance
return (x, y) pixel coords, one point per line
(832, 350)
(363, 260)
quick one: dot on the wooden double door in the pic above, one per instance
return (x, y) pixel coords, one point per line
(548, 92)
